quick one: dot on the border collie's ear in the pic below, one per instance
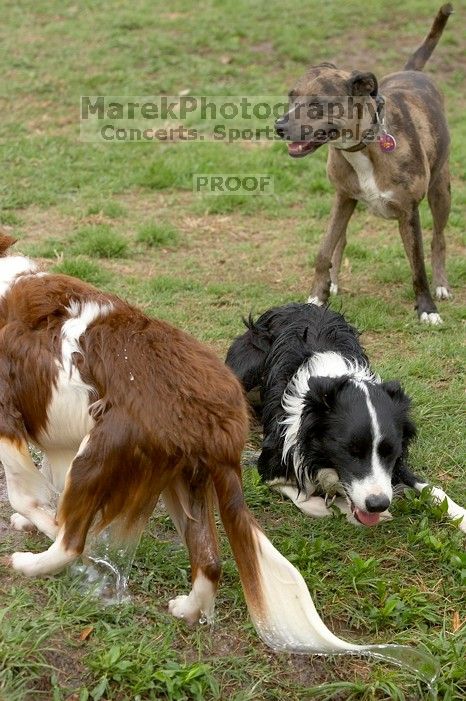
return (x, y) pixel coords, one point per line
(361, 84)
(323, 391)
(396, 392)
(403, 403)
(5, 243)
(247, 354)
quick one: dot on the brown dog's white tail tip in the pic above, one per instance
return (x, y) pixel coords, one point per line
(277, 597)
(289, 620)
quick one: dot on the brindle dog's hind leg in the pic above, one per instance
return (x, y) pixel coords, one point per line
(411, 234)
(336, 264)
(343, 208)
(439, 202)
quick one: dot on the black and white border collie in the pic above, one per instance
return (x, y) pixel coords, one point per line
(334, 433)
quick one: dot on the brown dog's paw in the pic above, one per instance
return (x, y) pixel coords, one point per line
(21, 523)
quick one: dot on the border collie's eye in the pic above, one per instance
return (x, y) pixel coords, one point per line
(357, 450)
(385, 449)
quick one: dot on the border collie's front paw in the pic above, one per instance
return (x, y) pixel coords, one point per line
(21, 523)
(182, 607)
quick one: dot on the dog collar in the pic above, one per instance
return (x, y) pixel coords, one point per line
(380, 102)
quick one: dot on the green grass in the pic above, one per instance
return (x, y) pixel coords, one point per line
(160, 234)
(100, 241)
(112, 210)
(124, 217)
(83, 269)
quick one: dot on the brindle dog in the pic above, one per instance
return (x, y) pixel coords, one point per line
(391, 183)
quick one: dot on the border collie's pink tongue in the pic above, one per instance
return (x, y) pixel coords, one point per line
(367, 518)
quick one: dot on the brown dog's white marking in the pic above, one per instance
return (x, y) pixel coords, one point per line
(127, 408)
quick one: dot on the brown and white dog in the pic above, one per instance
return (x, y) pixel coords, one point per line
(391, 183)
(128, 408)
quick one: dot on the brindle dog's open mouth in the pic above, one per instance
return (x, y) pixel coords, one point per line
(299, 149)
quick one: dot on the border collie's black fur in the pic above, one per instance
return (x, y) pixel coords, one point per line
(331, 426)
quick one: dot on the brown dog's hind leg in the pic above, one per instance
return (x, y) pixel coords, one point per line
(343, 208)
(411, 234)
(111, 479)
(29, 492)
(439, 198)
(189, 501)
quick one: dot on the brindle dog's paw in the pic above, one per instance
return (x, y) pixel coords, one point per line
(315, 300)
(431, 318)
(442, 292)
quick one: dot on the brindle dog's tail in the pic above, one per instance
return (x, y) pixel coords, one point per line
(420, 57)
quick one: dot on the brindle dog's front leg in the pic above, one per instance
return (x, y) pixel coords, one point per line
(411, 234)
(343, 208)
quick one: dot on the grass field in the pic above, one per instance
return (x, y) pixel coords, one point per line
(125, 218)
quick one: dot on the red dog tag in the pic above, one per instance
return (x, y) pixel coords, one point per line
(387, 142)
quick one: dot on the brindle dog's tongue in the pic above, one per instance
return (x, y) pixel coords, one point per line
(367, 518)
(301, 148)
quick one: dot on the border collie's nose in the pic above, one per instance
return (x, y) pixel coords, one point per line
(280, 126)
(377, 503)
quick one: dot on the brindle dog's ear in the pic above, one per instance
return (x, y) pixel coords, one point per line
(326, 64)
(363, 84)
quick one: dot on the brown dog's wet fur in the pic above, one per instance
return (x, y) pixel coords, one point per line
(390, 184)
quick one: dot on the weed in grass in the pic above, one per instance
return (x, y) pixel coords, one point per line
(47, 248)
(99, 240)
(83, 269)
(166, 284)
(158, 234)
(356, 250)
(357, 691)
(158, 176)
(111, 209)
(23, 646)
(9, 218)
(144, 672)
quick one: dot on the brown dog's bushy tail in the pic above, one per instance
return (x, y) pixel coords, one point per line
(420, 57)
